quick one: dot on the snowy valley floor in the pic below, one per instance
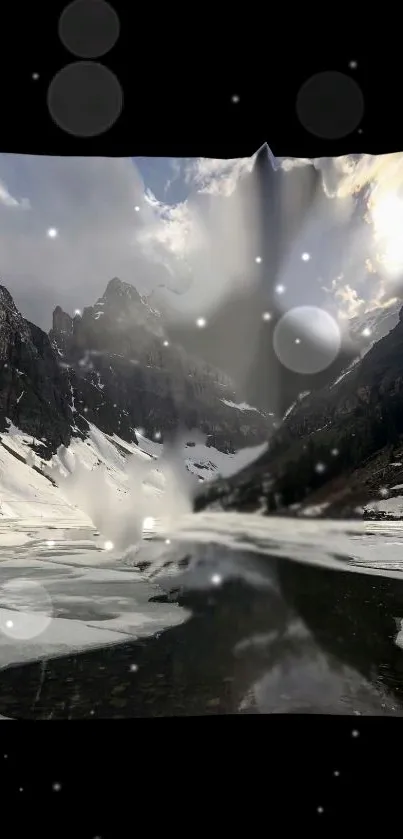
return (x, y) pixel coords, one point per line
(223, 613)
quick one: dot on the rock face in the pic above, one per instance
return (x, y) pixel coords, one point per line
(129, 376)
(337, 447)
(112, 365)
(34, 390)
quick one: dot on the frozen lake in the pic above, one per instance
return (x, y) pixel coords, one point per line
(228, 614)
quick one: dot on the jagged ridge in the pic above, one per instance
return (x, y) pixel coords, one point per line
(111, 365)
(338, 445)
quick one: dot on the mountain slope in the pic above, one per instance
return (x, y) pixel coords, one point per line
(127, 375)
(338, 447)
(34, 390)
(94, 388)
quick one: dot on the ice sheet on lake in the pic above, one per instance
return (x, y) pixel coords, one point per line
(88, 599)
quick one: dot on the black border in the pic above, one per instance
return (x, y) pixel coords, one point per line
(260, 772)
(178, 81)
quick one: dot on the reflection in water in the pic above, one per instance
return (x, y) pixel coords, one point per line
(282, 638)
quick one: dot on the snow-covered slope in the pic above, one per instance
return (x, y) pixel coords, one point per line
(28, 485)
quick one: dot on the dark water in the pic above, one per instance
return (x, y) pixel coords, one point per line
(286, 638)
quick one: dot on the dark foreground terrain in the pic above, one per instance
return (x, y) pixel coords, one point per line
(286, 638)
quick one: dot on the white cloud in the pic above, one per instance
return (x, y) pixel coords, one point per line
(200, 246)
(92, 203)
(9, 201)
(217, 176)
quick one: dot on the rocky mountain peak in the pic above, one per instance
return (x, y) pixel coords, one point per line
(118, 289)
(6, 299)
(62, 322)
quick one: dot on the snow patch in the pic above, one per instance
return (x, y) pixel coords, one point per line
(240, 406)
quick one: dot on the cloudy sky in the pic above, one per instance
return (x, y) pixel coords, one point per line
(146, 221)
(192, 226)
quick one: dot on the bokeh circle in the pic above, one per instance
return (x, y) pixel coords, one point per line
(330, 105)
(85, 98)
(306, 340)
(26, 609)
(89, 28)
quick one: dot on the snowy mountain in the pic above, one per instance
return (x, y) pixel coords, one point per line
(338, 448)
(126, 374)
(104, 387)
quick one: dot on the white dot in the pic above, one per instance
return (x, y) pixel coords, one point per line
(35, 76)
(266, 316)
(320, 335)
(108, 546)
(258, 259)
(353, 65)
(9, 624)
(320, 468)
(134, 668)
(355, 733)
(298, 340)
(166, 343)
(50, 543)
(149, 523)
(334, 452)
(216, 579)
(383, 492)
(56, 787)
(280, 289)
(366, 332)
(52, 233)
(201, 323)
(167, 541)
(21, 789)
(157, 435)
(235, 99)
(77, 312)
(320, 810)
(305, 257)
(137, 209)
(336, 773)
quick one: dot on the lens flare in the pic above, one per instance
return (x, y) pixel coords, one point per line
(387, 218)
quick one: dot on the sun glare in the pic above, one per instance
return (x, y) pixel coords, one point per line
(387, 218)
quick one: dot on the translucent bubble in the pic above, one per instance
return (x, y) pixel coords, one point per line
(306, 340)
(29, 609)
